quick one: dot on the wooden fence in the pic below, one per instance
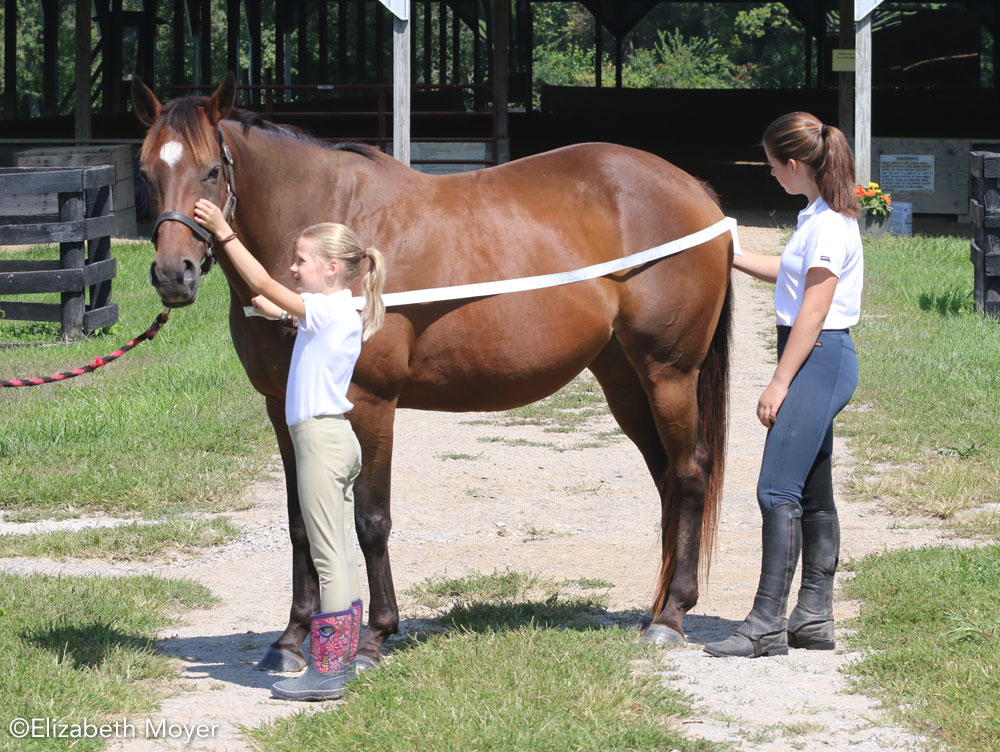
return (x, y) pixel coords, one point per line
(985, 203)
(82, 227)
(117, 156)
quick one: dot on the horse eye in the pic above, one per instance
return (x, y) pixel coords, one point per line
(213, 174)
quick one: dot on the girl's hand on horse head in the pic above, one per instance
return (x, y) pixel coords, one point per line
(209, 215)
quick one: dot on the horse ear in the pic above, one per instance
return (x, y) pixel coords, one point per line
(221, 102)
(147, 107)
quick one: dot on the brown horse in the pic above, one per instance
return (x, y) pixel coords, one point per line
(656, 337)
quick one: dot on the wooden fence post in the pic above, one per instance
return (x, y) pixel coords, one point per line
(985, 257)
(72, 256)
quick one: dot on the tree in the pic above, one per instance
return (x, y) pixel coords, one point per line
(677, 45)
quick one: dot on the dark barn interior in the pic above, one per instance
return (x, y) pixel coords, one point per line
(326, 65)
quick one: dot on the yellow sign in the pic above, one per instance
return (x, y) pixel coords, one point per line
(843, 61)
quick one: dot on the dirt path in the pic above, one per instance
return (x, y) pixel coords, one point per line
(571, 514)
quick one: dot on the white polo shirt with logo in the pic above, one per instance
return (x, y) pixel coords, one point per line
(824, 239)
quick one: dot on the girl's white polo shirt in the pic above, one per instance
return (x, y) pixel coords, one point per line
(327, 346)
(828, 240)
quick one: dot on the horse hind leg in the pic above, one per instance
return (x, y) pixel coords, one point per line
(671, 431)
(630, 407)
(675, 399)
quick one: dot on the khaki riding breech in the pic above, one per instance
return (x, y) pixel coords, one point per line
(327, 462)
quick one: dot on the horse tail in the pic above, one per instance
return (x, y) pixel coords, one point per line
(713, 409)
(713, 404)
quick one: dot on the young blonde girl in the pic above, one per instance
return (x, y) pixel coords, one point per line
(328, 257)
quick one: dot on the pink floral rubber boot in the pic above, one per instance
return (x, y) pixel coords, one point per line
(332, 645)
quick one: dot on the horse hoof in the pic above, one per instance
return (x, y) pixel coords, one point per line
(364, 663)
(659, 634)
(281, 661)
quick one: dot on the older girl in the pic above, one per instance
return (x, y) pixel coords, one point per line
(328, 257)
(817, 298)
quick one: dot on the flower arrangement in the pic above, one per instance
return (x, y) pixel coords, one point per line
(873, 200)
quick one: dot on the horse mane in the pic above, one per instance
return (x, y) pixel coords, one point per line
(250, 120)
(185, 116)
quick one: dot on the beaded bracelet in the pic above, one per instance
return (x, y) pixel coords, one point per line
(288, 321)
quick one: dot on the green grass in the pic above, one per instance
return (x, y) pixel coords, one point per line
(125, 542)
(503, 677)
(172, 426)
(459, 456)
(590, 583)
(924, 426)
(536, 534)
(79, 648)
(930, 623)
(925, 436)
(498, 586)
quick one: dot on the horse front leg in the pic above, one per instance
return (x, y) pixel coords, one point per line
(373, 424)
(285, 653)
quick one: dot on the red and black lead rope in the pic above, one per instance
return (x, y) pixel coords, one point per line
(160, 320)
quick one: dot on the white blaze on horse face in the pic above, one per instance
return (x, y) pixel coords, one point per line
(171, 152)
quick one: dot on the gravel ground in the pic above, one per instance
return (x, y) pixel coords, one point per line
(564, 514)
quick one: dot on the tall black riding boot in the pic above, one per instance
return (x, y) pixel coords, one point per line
(810, 624)
(763, 631)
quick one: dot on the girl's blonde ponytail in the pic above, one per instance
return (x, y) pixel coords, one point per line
(373, 314)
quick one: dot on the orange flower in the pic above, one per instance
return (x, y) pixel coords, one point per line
(859, 190)
(888, 199)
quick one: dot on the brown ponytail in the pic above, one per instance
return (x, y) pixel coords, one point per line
(824, 149)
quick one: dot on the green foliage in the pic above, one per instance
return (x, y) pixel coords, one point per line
(693, 63)
(742, 45)
(767, 45)
(570, 67)
(930, 626)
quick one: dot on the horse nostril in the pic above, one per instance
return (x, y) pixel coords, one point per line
(154, 280)
(190, 272)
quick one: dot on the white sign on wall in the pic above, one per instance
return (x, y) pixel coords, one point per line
(907, 173)
(399, 8)
(861, 8)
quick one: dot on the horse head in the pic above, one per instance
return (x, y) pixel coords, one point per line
(182, 160)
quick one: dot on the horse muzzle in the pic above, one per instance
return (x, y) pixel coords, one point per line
(176, 284)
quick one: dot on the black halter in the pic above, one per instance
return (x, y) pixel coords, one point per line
(228, 209)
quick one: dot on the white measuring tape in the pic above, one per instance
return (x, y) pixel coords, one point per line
(484, 289)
